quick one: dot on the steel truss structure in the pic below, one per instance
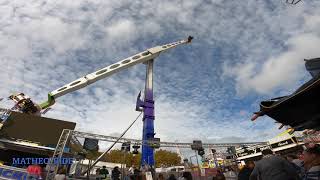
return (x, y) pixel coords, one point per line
(71, 136)
(162, 144)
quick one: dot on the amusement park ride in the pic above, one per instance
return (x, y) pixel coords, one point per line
(294, 2)
(24, 103)
(299, 110)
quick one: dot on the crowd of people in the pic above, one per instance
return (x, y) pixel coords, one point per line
(35, 172)
(132, 173)
(299, 166)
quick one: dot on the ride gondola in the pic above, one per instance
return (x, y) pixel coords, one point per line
(301, 109)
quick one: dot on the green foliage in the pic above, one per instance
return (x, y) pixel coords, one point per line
(118, 156)
(167, 158)
(162, 157)
(93, 155)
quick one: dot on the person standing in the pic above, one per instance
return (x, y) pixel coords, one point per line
(34, 171)
(131, 170)
(299, 160)
(295, 160)
(312, 163)
(172, 177)
(219, 177)
(104, 172)
(160, 177)
(136, 174)
(98, 174)
(296, 163)
(153, 172)
(115, 173)
(246, 171)
(272, 167)
(187, 175)
(229, 173)
(61, 175)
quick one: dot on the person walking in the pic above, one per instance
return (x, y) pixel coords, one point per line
(272, 167)
(312, 163)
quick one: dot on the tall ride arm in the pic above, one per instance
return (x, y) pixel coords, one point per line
(84, 81)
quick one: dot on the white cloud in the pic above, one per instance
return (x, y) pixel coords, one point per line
(279, 71)
(46, 44)
(122, 30)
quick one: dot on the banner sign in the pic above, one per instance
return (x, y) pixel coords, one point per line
(9, 173)
(282, 143)
(244, 151)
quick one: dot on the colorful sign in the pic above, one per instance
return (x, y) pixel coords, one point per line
(12, 174)
(28, 161)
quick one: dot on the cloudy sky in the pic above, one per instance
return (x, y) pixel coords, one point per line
(243, 52)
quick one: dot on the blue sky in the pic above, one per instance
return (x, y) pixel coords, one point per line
(243, 52)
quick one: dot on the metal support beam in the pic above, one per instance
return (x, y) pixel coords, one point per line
(147, 157)
(104, 153)
(57, 155)
(162, 144)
